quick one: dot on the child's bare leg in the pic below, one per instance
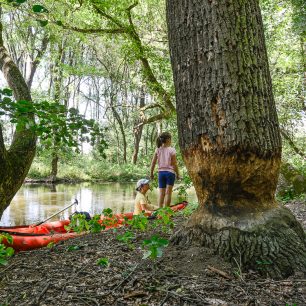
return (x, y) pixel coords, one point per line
(162, 192)
(168, 195)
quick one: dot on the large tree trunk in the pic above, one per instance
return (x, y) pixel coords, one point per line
(229, 135)
(16, 161)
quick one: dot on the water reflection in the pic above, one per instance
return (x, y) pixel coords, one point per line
(34, 202)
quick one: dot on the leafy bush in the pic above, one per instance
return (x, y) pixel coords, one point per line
(154, 246)
(191, 207)
(5, 252)
(164, 218)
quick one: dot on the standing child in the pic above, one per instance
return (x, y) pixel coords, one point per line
(165, 155)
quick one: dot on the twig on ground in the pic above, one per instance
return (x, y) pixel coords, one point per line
(222, 273)
(9, 267)
(84, 298)
(200, 297)
(126, 278)
(165, 299)
(42, 292)
(181, 296)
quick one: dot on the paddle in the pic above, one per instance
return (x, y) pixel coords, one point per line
(74, 203)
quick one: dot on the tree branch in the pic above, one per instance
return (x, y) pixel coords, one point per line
(292, 144)
(152, 82)
(151, 106)
(37, 60)
(109, 17)
(152, 119)
(93, 31)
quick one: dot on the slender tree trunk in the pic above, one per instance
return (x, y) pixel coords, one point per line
(303, 72)
(37, 60)
(121, 127)
(57, 88)
(54, 166)
(16, 161)
(138, 130)
(153, 137)
(229, 135)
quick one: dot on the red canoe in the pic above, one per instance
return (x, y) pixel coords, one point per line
(27, 237)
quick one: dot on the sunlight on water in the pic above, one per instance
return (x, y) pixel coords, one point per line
(35, 202)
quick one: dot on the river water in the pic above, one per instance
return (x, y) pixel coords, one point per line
(36, 202)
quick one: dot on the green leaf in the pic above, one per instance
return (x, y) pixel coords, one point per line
(73, 248)
(3, 262)
(104, 262)
(51, 245)
(42, 23)
(7, 92)
(146, 254)
(9, 252)
(37, 8)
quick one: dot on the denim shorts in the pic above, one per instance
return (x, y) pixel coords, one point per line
(165, 178)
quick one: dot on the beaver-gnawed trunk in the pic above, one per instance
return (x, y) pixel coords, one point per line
(229, 135)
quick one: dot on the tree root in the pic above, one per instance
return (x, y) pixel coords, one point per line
(271, 242)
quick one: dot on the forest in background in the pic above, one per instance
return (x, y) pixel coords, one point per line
(124, 83)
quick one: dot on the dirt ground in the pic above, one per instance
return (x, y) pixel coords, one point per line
(182, 276)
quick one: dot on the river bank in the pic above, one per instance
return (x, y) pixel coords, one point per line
(68, 274)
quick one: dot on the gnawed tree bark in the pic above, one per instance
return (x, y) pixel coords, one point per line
(15, 162)
(229, 135)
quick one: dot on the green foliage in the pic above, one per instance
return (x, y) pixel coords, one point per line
(109, 218)
(16, 2)
(191, 207)
(103, 262)
(51, 245)
(127, 238)
(185, 184)
(113, 172)
(95, 224)
(138, 222)
(154, 246)
(74, 248)
(108, 212)
(37, 8)
(5, 252)
(164, 218)
(55, 123)
(78, 224)
(285, 40)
